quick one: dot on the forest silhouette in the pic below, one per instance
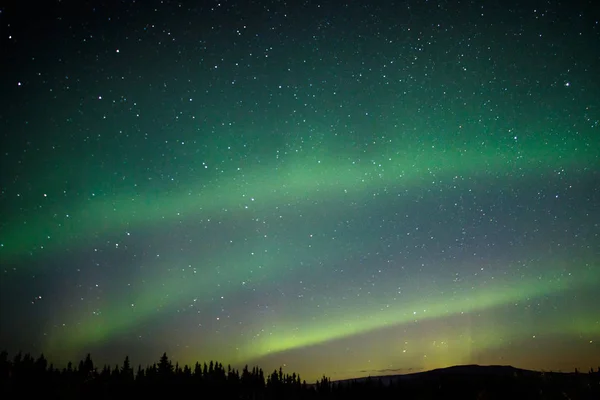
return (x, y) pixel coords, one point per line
(24, 376)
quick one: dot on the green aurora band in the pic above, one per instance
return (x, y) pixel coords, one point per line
(332, 323)
(323, 174)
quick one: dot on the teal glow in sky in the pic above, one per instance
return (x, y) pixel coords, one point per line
(342, 192)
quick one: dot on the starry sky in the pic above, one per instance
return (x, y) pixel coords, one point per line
(341, 188)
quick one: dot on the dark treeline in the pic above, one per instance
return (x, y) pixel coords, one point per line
(27, 377)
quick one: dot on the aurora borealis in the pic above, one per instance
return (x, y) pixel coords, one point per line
(337, 188)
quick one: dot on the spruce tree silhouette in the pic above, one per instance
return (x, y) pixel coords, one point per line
(165, 367)
(126, 374)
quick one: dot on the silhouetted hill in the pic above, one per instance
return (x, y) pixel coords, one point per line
(472, 370)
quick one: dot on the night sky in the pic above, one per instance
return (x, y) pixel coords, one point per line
(338, 188)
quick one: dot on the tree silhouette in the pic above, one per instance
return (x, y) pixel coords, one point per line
(26, 377)
(165, 367)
